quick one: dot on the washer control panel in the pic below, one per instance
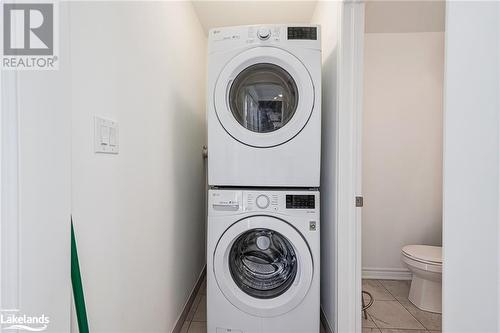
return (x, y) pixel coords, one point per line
(300, 201)
(261, 201)
(282, 201)
(226, 201)
(237, 201)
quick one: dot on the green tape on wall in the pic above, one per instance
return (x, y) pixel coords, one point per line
(76, 281)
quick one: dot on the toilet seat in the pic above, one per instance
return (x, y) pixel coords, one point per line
(422, 265)
(426, 254)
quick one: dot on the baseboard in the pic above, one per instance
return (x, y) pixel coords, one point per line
(187, 306)
(324, 322)
(386, 273)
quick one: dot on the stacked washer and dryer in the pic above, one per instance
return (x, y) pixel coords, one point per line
(264, 139)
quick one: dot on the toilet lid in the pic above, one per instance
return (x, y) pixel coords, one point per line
(424, 253)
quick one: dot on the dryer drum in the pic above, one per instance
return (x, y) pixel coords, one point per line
(263, 97)
(263, 263)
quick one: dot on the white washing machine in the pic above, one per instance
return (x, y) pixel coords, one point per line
(264, 106)
(263, 261)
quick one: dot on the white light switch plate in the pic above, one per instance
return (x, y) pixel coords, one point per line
(105, 136)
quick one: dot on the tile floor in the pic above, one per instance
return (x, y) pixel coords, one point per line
(196, 321)
(391, 311)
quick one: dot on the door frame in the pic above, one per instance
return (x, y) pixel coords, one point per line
(9, 191)
(348, 175)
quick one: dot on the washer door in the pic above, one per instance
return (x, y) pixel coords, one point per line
(263, 266)
(264, 97)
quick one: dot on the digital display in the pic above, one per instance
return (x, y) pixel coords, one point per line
(300, 201)
(302, 33)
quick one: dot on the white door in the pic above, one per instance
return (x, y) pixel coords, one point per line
(263, 266)
(264, 97)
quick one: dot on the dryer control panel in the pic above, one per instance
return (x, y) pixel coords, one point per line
(226, 38)
(310, 33)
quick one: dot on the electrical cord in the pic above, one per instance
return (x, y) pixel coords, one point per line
(366, 306)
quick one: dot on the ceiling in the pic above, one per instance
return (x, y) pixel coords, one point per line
(214, 14)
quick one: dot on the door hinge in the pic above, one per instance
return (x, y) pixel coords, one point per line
(359, 201)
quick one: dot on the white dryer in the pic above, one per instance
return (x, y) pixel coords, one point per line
(264, 106)
(263, 273)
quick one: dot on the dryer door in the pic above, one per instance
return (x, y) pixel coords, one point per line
(264, 97)
(263, 266)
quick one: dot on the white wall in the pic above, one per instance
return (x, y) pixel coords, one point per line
(139, 215)
(326, 14)
(388, 16)
(402, 147)
(39, 236)
(471, 288)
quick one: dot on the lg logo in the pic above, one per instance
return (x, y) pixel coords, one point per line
(28, 29)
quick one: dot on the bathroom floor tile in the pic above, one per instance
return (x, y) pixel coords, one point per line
(201, 310)
(398, 288)
(391, 314)
(402, 331)
(370, 330)
(430, 320)
(377, 290)
(198, 327)
(367, 323)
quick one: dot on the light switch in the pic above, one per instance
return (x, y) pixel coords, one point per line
(105, 136)
(112, 136)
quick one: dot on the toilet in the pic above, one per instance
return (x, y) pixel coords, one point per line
(425, 262)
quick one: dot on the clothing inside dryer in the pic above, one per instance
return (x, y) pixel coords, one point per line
(263, 263)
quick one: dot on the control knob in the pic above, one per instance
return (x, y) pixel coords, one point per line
(264, 33)
(262, 201)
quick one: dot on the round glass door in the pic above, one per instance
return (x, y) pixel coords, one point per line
(263, 97)
(263, 266)
(263, 263)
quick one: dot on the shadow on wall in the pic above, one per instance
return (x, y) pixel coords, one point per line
(188, 163)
